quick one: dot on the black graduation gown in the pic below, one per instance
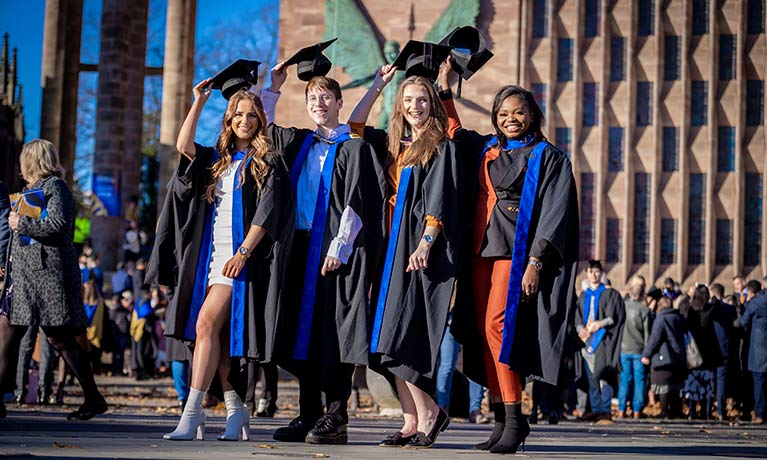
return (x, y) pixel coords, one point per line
(177, 248)
(607, 356)
(339, 330)
(540, 335)
(414, 315)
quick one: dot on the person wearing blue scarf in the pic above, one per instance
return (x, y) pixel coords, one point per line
(221, 235)
(516, 285)
(599, 321)
(338, 188)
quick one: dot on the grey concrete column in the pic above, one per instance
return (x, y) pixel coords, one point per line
(176, 84)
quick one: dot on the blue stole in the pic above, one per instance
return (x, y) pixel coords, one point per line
(90, 310)
(237, 321)
(391, 249)
(143, 308)
(592, 296)
(519, 252)
(316, 237)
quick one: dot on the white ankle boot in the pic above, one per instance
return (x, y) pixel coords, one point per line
(192, 419)
(237, 418)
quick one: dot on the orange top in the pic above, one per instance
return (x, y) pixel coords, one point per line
(392, 176)
(486, 197)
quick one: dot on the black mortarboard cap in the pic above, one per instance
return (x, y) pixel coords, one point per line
(311, 62)
(469, 53)
(241, 74)
(421, 58)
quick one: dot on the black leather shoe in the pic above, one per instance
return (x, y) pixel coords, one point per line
(423, 440)
(397, 440)
(329, 429)
(88, 411)
(295, 431)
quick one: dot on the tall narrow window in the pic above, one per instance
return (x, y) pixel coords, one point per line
(591, 27)
(644, 103)
(563, 140)
(539, 93)
(723, 241)
(670, 148)
(697, 229)
(756, 16)
(590, 104)
(615, 149)
(700, 17)
(613, 240)
(617, 59)
(726, 151)
(727, 44)
(641, 218)
(646, 19)
(752, 243)
(699, 103)
(587, 233)
(565, 60)
(671, 62)
(540, 19)
(754, 102)
(667, 241)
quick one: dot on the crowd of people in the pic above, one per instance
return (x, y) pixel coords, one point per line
(320, 250)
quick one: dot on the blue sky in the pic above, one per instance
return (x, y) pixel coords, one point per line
(24, 21)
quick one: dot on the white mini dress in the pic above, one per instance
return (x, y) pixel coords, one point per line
(221, 246)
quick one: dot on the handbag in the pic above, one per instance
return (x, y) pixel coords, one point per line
(692, 352)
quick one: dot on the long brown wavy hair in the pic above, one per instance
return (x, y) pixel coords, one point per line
(259, 148)
(423, 147)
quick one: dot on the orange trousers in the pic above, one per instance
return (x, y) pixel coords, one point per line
(490, 278)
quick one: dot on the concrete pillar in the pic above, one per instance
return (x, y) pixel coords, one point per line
(117, 148)
(60, 76)
(176, 83)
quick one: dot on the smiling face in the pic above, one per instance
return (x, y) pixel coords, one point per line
(514, 117)
(245, 120)
(594, 275)
(416, 105)
(323, 107)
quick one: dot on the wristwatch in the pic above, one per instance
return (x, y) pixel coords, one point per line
(242, 250)
(535, 263)
(427, 238)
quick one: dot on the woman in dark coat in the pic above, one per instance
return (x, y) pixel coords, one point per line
(521, 260)
(225, 221)
(412, 293)
(700, 314)
(47, 290)
(665, 354)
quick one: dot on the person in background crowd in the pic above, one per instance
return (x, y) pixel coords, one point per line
(699, 386)
(665, 353)
(94, 312)
(754, 320)
(8, 346)
(119, 324)
(739, 285)
(724, 317)
(636, 331)
(50, 295)
(180, 357)
(121, 280)
(131, 242)
(599, 321)
(138, 275)
(5, 230)
(143, 340)
(266, 404)
(670, 288)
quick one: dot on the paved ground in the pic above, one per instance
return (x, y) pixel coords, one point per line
(143, 412)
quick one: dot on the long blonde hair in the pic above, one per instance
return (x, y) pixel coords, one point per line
(424, 147)
(40, 159)
(259, 148)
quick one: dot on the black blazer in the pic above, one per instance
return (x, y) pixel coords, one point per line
(5, 230)
(665, 347)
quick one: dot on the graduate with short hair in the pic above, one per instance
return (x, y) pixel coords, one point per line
(338, 188)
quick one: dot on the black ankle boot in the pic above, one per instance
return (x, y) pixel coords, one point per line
(499, 415)
(515, 431)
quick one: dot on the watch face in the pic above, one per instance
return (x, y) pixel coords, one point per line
(242, 251)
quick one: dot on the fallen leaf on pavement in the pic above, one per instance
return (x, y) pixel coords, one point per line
(65, 446)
